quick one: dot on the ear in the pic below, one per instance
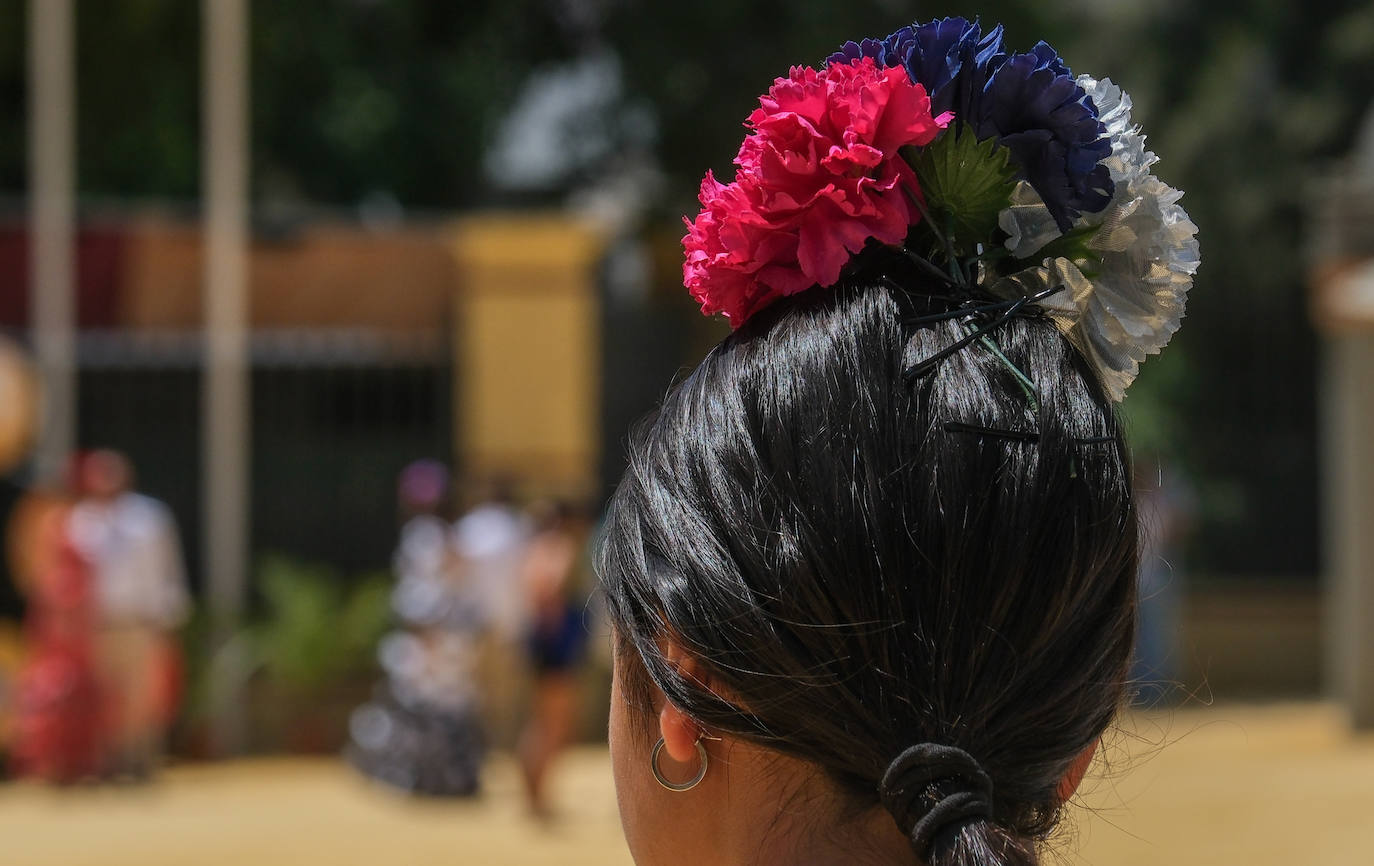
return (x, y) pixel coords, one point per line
(680, 731)
(1077, 770)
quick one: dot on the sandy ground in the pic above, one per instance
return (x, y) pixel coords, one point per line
(1227, 785)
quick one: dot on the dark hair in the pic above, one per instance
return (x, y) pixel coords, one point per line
(862, 573)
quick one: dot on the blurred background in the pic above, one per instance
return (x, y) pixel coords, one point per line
(322, 325)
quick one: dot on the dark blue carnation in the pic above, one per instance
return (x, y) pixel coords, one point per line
(1040, 113)
(951, 58)
(1048, 58)
(1029, 102)
(878, 50)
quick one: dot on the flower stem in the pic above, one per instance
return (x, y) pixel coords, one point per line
(924, 264)
(1032, 393)
(925, 216)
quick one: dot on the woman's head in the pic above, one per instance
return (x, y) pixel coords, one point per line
(882, 540)
(825, 560)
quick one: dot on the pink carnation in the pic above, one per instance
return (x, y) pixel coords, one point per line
(819, 174)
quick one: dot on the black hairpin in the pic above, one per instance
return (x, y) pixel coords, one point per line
(1017, 435)
(1029, 437)
(917, 370)
(1022, 304)
(1006, 310)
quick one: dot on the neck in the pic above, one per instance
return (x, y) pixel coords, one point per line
(782, 812)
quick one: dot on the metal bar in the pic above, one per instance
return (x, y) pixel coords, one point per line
(52, 60)
(1348, 458)
(225, 407)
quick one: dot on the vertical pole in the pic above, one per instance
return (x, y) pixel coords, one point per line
(225, 407)
(1348, 453)
(52, 207)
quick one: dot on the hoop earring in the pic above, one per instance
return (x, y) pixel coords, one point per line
(678, 786)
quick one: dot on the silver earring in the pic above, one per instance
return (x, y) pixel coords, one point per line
(678, 786)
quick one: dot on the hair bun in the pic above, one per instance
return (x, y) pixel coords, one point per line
(931, 789)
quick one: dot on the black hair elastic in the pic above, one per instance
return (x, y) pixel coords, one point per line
(932, 789)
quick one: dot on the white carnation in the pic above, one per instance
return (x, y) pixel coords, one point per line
(1129, 304)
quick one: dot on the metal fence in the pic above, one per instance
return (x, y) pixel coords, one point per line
(1342, 223)
(336, 414)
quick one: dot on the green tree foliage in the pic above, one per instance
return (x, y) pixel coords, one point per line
(400, 97)
(138, 95)
(349, 97)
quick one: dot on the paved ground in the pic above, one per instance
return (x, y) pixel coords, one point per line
(1230, 785)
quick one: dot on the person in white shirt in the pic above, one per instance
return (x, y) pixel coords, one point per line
(491, 540)
(132, 543)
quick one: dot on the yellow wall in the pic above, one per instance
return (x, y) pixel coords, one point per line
(527, 343)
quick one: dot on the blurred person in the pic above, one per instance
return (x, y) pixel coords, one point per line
(11, 614)
(1167, 506)
(491, 538)
(11, 600)
(872, 568)
(422, 732)
(141, 600)
(19, 399)
(11, 661)
(57, 724)
(424, 560)
(557, 643)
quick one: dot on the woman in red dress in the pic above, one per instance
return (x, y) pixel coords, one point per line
(58, 724)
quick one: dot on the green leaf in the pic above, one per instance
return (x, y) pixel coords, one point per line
(1073, 245)
(967, 183)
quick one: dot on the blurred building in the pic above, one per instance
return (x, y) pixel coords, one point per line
(514, 345)
(349, 359)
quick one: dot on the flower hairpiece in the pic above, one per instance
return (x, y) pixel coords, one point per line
(1002, 170)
